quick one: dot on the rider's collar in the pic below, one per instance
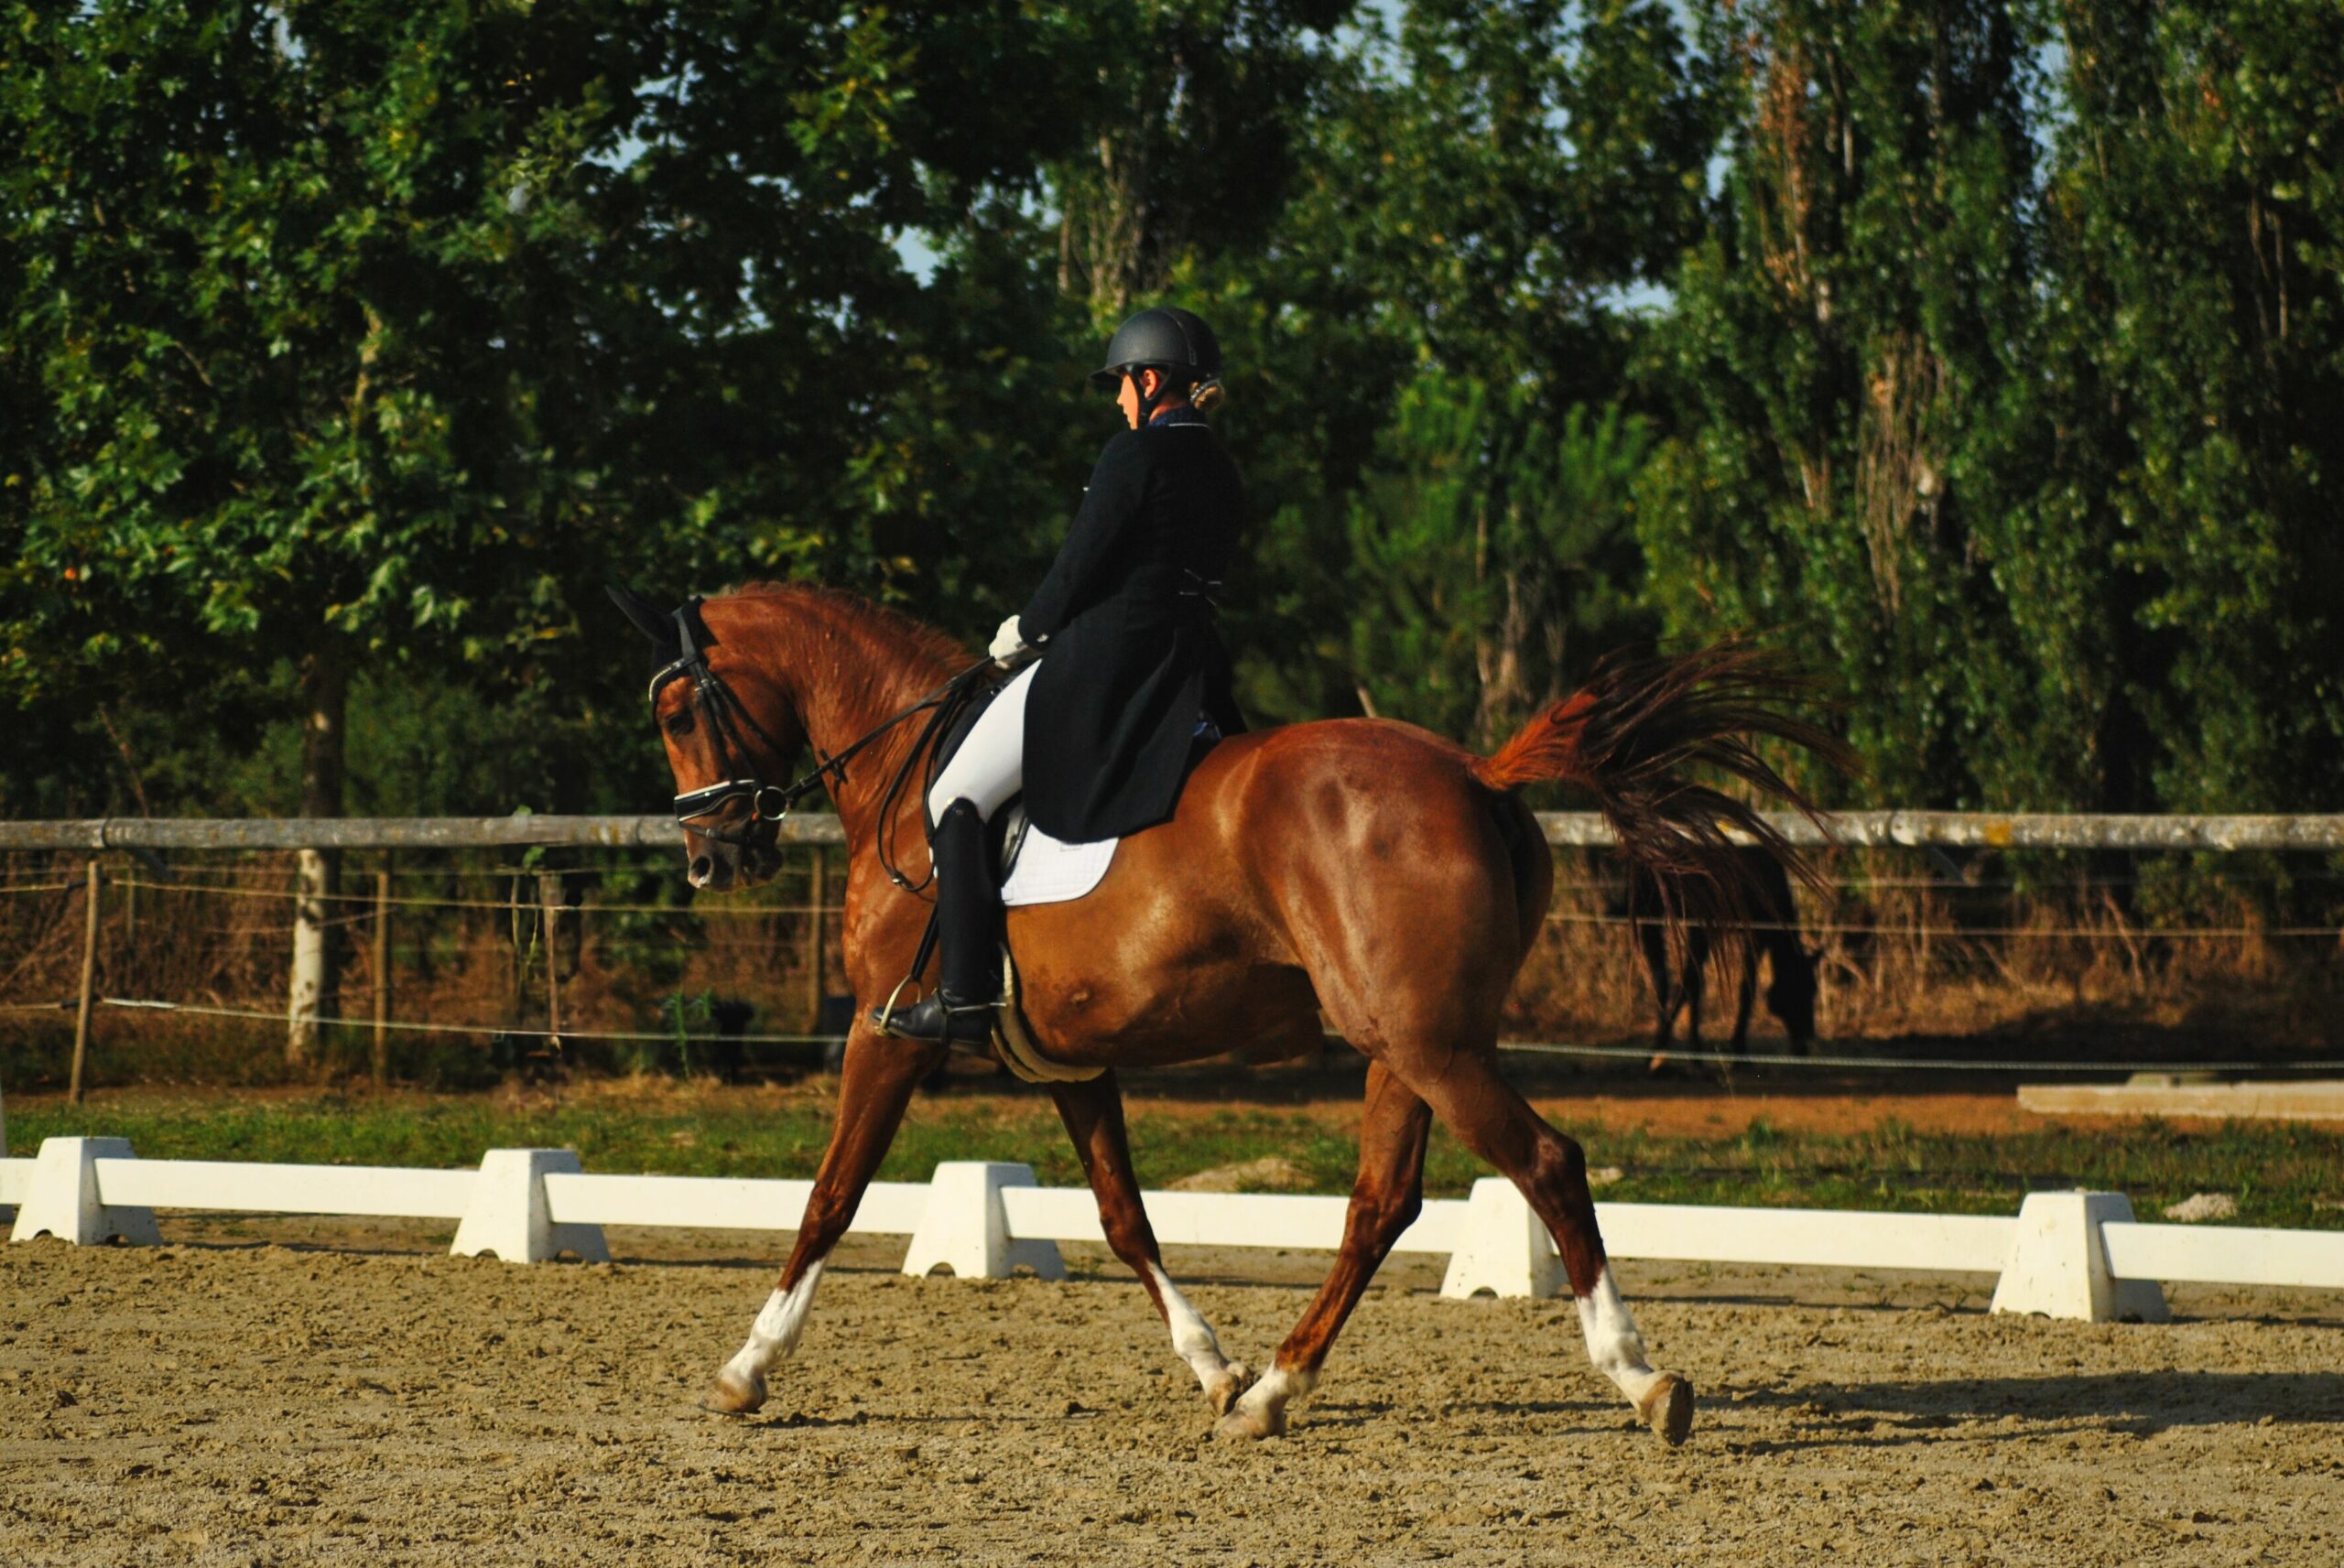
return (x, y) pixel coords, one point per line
(1184, 415)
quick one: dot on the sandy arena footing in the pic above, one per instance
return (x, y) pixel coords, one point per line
(296, 1392)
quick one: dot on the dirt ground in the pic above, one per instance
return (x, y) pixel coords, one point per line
(303, 1391)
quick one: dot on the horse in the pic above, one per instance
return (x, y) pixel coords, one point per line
(1364, 868)
(1773, 930)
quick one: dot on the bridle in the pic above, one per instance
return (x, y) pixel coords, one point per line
(726, 717)
(768, 804)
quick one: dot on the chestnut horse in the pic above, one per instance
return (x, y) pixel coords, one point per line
(1361, 867)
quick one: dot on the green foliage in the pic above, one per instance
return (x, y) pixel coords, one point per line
(1990, 352)
(1496, 562)
(1985, 398)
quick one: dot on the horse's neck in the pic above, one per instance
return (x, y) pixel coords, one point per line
(848, 676)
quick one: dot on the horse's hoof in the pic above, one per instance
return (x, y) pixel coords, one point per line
(732, 1395)
(1667, 1409)
(1244, 1423)
(1222, 1391)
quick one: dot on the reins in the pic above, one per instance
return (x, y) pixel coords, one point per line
(950, 700)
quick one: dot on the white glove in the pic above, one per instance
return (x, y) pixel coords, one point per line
(1007, 643)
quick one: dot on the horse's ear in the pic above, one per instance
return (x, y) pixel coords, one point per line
(649, 618)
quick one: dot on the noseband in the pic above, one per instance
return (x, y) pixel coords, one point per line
(769, 803)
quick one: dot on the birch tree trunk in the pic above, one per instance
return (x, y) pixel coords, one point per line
(325, 693)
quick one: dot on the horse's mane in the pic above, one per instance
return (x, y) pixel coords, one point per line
(924, 640)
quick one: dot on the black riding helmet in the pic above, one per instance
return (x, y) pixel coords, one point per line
(1162, 337)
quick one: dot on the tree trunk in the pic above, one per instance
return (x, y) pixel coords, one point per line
(325, 697)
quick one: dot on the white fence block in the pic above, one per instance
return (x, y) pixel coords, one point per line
(2058, 1265)
(966, 1226)
(1504, 1248)
(511, 1217)
(62, 1198)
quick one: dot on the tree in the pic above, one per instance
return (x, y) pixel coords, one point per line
(1496, 185)
(370, 335)
(2193, 347)
(1469, 642)
(1845, 362)
(1192, 135)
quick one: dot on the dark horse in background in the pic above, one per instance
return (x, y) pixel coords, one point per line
(1773, 931)
(1368, 869)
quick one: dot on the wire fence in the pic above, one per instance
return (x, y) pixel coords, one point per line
(367, 903)
(1641, 1056)
(566, 949)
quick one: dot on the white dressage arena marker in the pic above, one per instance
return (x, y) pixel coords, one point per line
(2069, 1255)
(2058, 1265)
(510, 1218)
(1504, 1249)
(966, 1229)
(64, 1201)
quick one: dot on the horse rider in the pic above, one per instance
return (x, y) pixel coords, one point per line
(1099, 733)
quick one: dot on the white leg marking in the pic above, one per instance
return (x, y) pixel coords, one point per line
(1612, 1342)
(1194, 1341)
(1262, 1412)
(774, 1333)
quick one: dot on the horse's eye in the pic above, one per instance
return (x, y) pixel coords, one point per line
(679, 724)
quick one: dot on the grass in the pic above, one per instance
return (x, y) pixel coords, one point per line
(2281, 1174)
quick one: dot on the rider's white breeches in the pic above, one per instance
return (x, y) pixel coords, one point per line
(990, 767)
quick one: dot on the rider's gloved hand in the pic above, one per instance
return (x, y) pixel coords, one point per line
(1007, 643)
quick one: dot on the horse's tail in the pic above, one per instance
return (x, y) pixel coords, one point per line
(1637, 728)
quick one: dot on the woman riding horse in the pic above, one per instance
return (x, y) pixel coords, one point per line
(1133, 674)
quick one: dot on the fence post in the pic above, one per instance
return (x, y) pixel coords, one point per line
(89, 981)
(550, 900)
(965, 1227)
(2058, 1265)
(511, 1217)
(1503, 1247)
(64, 1200)
(382, 1062)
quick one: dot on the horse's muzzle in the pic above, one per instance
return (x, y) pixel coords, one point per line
(713, 866)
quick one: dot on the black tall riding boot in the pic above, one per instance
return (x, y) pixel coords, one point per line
(968, 934)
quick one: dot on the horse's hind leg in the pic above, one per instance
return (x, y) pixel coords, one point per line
(1467, 1092)
(1740, 1043)
(1094, 1114)
(1385, 1200)
(876, 1084)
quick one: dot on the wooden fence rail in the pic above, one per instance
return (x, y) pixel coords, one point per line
(1915, 829)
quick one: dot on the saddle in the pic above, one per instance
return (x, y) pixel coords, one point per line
(1034, 867)
(1030, 866)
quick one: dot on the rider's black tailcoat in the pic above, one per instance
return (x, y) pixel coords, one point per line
(1131, 654)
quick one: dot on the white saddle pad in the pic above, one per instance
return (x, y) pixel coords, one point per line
(1047, 871)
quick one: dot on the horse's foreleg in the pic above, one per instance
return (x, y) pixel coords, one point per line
(875, 1086)
(1094, 1114)
(1385, 1200)
(1495, 1122)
